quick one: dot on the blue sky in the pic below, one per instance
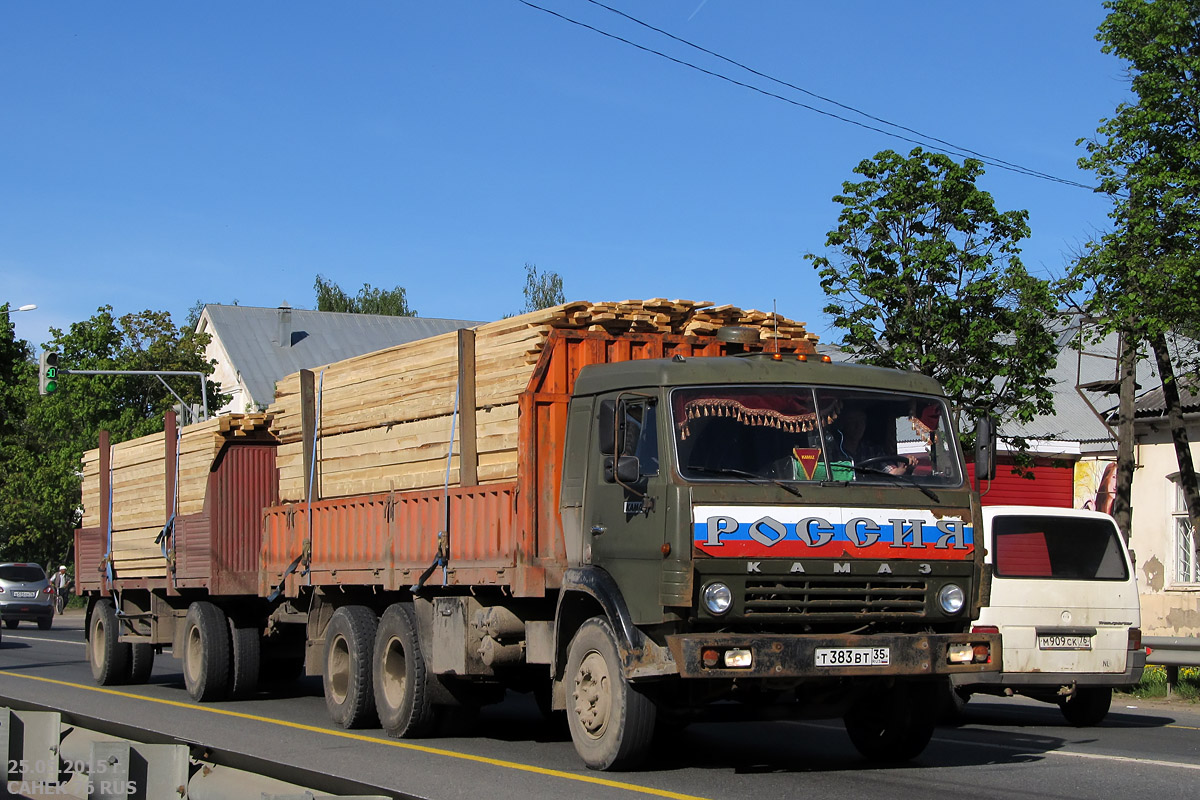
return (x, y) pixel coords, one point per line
(155, 154)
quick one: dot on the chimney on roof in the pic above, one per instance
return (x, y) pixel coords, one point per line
(283, 333)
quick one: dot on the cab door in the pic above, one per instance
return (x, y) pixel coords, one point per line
(625, 517)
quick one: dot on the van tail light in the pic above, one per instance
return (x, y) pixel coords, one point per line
(1135, 639)
(984, 629)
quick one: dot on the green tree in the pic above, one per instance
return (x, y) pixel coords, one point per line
(925, 276)
(542, 289)
(40, 461)
(1144, 275)
(370, 300)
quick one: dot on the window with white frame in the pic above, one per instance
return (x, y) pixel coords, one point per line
(1187, 568)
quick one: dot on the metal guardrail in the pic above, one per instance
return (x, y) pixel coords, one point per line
(1171, 653)
(59, 753)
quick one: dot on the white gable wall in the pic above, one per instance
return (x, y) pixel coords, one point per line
(1169, 607)
(228, 378)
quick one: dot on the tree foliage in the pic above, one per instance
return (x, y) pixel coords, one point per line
(542, 289)
(43, 438)
(369, 300)
(1144, 275)
(924, 275)
(1146, 272)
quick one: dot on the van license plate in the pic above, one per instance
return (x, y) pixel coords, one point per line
(1064, 643)
(853, 656)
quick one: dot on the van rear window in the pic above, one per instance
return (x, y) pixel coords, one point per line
(1064, 548)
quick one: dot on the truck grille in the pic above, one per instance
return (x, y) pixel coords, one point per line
(833, 598)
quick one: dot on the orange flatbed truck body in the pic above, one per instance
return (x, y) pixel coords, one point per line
(502, 534)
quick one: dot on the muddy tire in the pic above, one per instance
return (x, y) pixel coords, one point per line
(1088, 706)
(401, 682)
(206, 653)
(895, 725)
(349, 649)
(109, 658)
(141, 662)
(244, 641)
(612, 724)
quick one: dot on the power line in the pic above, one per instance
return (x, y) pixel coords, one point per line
(948, 147)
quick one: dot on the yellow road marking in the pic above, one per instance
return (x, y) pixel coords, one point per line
(495, 762)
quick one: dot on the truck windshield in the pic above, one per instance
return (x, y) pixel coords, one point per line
(795, 433)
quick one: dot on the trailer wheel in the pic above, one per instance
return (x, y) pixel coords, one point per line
(1087, 706)
(401, 682)
(141, 662)
(206, 652)
(246, 655)
(895, 725)
(611, 722)
(109, 657)
(348, 659)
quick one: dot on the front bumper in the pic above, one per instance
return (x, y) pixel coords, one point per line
(794, 656)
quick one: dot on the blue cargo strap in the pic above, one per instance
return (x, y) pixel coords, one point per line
(168, 529)
(442, 559)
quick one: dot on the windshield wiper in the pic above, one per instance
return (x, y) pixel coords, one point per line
(749, 477)
(906, 479)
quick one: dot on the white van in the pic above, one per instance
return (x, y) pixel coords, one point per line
(1065, 600)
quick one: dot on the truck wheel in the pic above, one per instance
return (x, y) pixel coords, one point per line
(612, 724)
(895, 725)
(1088, 706)
(244, 670)
(401, 683)
(206, 652)
(349, 640)
(108, 656)
(141, 662)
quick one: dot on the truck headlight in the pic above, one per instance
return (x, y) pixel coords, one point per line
(717, 598)
(951, 598)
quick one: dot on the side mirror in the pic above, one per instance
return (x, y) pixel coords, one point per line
(611, 428)
(985, 449)
(622, 469)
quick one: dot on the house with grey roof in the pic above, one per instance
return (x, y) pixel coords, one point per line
(254, 347)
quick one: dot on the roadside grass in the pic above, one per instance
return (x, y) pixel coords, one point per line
(1154, 684)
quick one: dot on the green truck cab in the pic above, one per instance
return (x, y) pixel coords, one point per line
(790, 534)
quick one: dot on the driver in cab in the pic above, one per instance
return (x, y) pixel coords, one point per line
(851, 442)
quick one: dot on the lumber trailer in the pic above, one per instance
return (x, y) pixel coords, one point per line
(694, 527)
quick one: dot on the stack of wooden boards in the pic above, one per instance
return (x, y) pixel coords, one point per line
(385, 418)
(140, 506)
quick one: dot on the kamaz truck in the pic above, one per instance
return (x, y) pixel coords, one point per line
(697, 530)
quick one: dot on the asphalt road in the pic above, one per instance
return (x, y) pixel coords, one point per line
(1002, 748)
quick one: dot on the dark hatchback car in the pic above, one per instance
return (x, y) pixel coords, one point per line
(25, 594)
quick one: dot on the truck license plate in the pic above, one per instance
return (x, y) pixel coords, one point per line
(25, 595)
(1064, 642)
(853, 656)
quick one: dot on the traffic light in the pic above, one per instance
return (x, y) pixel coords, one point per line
(48, 373)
